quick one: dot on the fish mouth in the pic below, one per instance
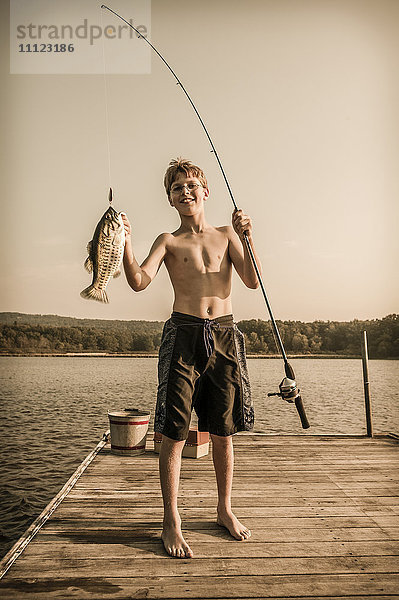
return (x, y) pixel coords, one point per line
(112, 214)
(113, 219)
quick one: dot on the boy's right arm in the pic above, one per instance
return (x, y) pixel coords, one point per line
(139, 277)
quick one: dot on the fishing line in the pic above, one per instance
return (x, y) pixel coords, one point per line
(106, 99)
(292, 394)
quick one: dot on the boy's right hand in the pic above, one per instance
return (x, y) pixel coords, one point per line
(127, 226)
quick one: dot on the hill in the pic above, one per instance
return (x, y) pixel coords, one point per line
(26, 333)
(16, 318)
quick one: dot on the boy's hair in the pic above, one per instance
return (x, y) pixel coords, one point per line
(182, 165)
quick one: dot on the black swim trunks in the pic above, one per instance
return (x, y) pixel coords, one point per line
(202, 365)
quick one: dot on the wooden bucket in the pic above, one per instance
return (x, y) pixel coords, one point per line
(128, 431)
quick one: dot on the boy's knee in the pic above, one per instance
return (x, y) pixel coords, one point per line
(171, 444)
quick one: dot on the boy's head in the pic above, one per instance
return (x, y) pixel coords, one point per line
(185, 167)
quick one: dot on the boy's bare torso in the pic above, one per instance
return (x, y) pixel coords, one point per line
(198, 256)
(200, 270)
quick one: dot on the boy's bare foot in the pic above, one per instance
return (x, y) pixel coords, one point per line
(174, 542)
(233, 525)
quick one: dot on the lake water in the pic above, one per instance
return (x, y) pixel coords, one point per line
(54, 411)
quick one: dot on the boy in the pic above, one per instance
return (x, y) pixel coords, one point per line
(202, 356)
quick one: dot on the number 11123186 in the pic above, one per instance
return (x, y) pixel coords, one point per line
(46, 48)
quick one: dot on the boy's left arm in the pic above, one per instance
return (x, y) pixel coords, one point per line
(238, 250)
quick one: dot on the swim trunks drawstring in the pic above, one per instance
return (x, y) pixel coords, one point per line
(208, 336)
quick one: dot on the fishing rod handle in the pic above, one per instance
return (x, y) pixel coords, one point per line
(301, 411)
(289, 372)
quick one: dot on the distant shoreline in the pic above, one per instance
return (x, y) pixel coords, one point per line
(52, 335)
(155, 355)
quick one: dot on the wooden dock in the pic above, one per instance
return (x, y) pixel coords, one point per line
(323, 512)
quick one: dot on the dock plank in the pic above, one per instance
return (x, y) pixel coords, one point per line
(115, 548)
(323, 511)
(95, 531)
(237, 587)
(62, 566)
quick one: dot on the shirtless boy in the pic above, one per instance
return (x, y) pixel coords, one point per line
(202, 356)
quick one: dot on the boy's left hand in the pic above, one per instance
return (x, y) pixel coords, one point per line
(241, 224)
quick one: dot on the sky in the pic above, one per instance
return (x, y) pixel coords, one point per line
(300, 98)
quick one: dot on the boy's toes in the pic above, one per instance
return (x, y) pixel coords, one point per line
(233, 525)
(175, 544)
(246, 534)
(189, 553)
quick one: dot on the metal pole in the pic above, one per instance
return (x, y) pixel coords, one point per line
(367, 401)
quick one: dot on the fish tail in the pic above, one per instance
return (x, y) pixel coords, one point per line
(93, 293)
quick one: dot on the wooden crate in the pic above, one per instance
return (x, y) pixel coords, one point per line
(197, 443)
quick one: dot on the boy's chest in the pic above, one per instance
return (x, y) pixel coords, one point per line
(204, 253)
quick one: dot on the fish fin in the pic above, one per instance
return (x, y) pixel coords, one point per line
(117, 272)
(89, 247)
(92, 293)
(88, 265)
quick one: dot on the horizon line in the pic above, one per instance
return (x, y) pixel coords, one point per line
(162, 320)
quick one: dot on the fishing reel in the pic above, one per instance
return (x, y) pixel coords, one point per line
(290, 393)
(288, 390)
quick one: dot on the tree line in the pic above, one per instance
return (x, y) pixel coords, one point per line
(325, 337)
(317, 337)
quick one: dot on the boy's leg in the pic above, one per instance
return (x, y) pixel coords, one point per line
(169, 471)
(223, 461)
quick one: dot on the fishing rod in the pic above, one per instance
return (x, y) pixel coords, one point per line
(288, 387)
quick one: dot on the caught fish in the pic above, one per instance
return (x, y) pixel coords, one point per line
(105, 254)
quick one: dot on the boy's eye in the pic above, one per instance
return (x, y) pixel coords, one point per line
(177, 189)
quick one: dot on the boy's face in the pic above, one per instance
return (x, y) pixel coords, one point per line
(187, 195)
